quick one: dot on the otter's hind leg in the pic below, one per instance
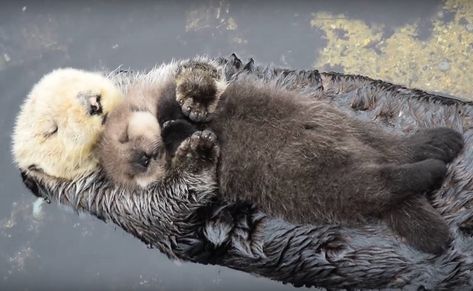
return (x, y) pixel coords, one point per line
(374, 190)
(410, 215)
(401, 202)
(436, 143)
(198, 89)
(423, 176)
(416, 221)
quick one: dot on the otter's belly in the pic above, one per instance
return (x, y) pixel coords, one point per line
(267, 165)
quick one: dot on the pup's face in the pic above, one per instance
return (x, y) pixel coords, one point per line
(61, 121)
(132, 152)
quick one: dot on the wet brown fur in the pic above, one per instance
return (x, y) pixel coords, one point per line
(305, 161)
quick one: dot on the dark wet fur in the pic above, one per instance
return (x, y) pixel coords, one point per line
(306, 161)
(174, 132)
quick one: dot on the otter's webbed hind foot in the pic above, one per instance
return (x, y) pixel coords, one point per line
(198, 90)
(438, 143)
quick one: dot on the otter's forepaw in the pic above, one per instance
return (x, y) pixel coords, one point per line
(437, 143)
(198, 152)
(198, 90)
(196, 111)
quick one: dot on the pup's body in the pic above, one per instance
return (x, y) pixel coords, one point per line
(306, 161)
(61, 121)
(298, 158)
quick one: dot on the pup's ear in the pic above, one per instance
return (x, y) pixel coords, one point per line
(91, 102)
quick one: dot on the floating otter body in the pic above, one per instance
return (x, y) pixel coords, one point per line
(61, 121)
(295, 157)
(320, 255)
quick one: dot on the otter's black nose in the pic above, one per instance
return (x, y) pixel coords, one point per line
(31, 184)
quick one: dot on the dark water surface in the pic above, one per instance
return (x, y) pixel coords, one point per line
(46, 247)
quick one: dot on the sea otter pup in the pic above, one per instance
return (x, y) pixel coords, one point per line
(295, 157)
(61, 120)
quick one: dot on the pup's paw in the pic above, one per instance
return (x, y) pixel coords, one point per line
(437, 143)
(198, 90)
(198, 152)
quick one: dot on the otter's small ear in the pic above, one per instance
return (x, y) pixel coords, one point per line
(91, 102)
(123, 138)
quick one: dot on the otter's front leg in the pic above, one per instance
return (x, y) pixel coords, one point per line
(198, 89)
(393, 184)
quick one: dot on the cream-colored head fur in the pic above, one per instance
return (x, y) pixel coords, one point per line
(61, 122)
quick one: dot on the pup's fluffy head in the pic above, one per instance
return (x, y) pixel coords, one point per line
(61, 122)
(142, 134)
(131, 150)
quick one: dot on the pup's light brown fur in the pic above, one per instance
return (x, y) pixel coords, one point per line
(132, 151)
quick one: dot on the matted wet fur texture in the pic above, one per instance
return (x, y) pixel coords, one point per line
(190, 224)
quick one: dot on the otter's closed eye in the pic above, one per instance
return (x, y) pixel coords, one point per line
(50, 129)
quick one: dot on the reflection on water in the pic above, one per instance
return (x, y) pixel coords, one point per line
(426, 44)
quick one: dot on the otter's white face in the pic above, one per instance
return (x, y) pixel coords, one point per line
(61, 121)
(132, 152)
